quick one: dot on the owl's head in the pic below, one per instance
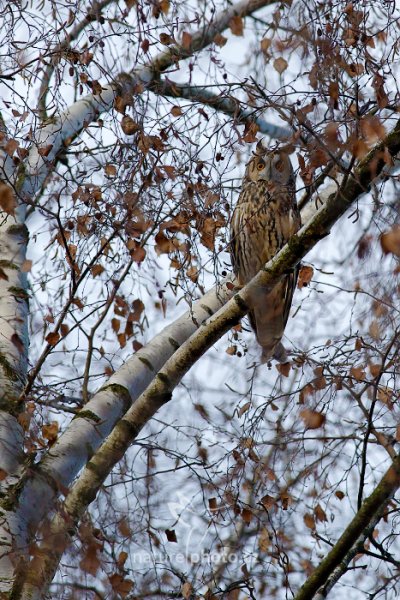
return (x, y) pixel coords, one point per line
(273, 166)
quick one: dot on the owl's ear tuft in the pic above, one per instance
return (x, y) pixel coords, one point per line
(260, 148)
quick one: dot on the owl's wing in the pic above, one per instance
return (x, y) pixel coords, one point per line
(270, 314)
(291, 282)
(259, 228)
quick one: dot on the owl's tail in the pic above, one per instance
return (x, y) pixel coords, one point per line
(279, 353)
(267, 318)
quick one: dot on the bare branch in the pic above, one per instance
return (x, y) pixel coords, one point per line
(221, 102)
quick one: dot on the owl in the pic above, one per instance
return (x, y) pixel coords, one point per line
(265, 217)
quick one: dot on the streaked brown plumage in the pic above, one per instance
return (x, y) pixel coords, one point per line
(265, 217)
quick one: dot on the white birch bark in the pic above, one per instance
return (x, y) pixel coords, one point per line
(13, 357)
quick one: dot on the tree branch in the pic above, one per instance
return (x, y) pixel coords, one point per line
(354, 534)
(220, 102)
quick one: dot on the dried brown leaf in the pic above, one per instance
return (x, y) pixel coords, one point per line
(186, 40)
(280, 65)
(320, 514)
(138, 254)
(284, 369)
(176, 111)
(375, 369)
(220, 40)
(129, 126)
(7, 199)
(193, 273)
(90, 563)
(374, 330)
(45, 150)
(121, 337)
(212, 504)
(264, 540)
(390, 241)
(171, 535)
(50, 432)
(236, 25)
(244, 408)
(268, 501)
(357, 373)
(26, 266)
(52, 338)
(265, 44)
(11, 146)
(186, 590)
(166, 39)
(110, 170)
(64, 329)
(309, 520)
(312, 419)
(115, 324)
(97, 270)
(137, 309)
(247, 515)
(120, 586)
(123, 528)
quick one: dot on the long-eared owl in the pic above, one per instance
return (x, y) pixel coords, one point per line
(265, 217)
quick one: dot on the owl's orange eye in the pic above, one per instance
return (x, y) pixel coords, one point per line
(260, 166)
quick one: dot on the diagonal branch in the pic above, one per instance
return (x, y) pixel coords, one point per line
(220, 102)
(369, 514)
(160, 390)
